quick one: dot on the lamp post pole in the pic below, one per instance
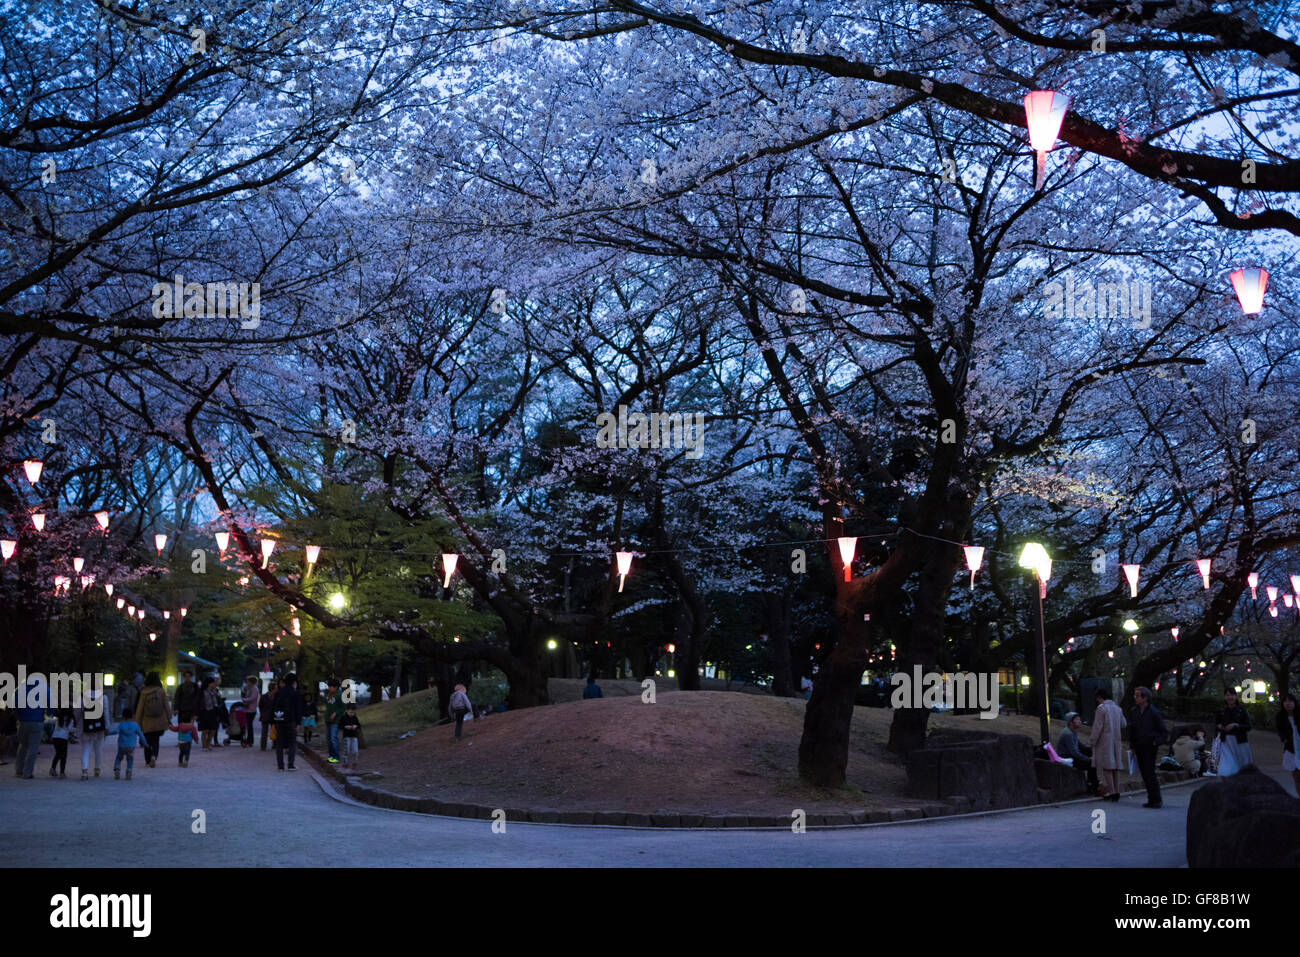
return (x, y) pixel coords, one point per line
(1042, 662)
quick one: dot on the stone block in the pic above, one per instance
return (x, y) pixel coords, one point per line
(1244, 820)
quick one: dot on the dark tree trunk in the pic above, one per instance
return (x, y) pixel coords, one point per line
(777, 609)
(824, 747)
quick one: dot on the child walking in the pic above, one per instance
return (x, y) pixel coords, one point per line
(128, 732)
(93, 732)
(62, 730)
(186, 731)
(350, 728)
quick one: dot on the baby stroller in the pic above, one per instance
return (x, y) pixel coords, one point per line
(235, 727)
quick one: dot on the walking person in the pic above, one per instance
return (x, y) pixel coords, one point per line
(31, 727)
(188, 699)
(309, 711)
(63, 727)
(127, 733)
(1233, 725)
(210, 716)
(334, 710)
(286, 712)
(250, 699)
(350, 727)
(460, 706)
(1107, 743)
(186, 733)
(153, 716)
(264, 705)
(93, 730)
(1146, 735)
(1288, 729)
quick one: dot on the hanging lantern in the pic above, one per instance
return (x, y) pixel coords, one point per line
(1175, 632)
(448, 567)
(671, 649)
(109, 588)
(120, 603)
(130, 611)
(313, 553)
(139, 613)
(974, 559)
(102, 518)
(167, 615)
(78, 564)
(1287, 600)
(624, 566)
(1253, 581)
(1295, 585)
(297, 628)
(7, 549)
(1250, 285)
(1272, 593)
(153, 636)
(159, 541)
(268, 546)
(184, 611)
(848, 545)
(38, 521)
(1272, 610)
(33, 469)
(88, 580)
(1204, 565)
(1131, 573)
(223, 542)
(1044, 112)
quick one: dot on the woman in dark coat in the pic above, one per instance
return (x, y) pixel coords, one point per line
(1233, 725)
(1288, 729)
(210, 716)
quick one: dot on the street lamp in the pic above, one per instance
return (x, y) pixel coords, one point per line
(1035, 557)
(337, 601)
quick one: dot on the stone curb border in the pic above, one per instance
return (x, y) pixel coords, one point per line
(361, 794)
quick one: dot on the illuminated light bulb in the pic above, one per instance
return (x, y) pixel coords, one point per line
(38, 521)
(1253, 581)
(1131, 573)
(1272, 610)
(159, 541)
(184, 611)
(109, 589)
(78, 564)
(1203, 564)
(1250, 285)
(1175, 632)
(120, 603)
(223, 542)
(268, 546)
(974, 559)
(33, 469)
(139, 612)
(448, 567)
(1287, 600)
(167, 615)
(1044, 113)
(624, 560)
(102, 518)
(7, 548)
(313, 553)
(130, 611)
(848, 545)
(1272, 592)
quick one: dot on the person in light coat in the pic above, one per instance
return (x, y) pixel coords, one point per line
(1107, 744)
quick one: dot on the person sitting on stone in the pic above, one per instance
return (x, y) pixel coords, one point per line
(1069, 747)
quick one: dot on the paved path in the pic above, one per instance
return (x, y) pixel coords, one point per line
(258, 816)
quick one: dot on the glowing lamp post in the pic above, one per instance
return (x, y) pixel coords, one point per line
(33, 469)
(1203, 565)
(1250, 285)
(1044, 113)
(1035, 557)
(1131, 573)
(624, 560)
(7, 548)
(449, 560)
(159, 542)
(847, 547)
(268, 546)
(974, 559)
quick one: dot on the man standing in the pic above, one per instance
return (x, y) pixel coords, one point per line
(1146, 734)
(286, 712)
(31, 726)
(264, 709)
(335, 708)
(186, 701)
(250, 700)
(1069, 747)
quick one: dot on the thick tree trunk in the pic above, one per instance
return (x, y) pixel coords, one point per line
(777, 614)
(824, 747)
